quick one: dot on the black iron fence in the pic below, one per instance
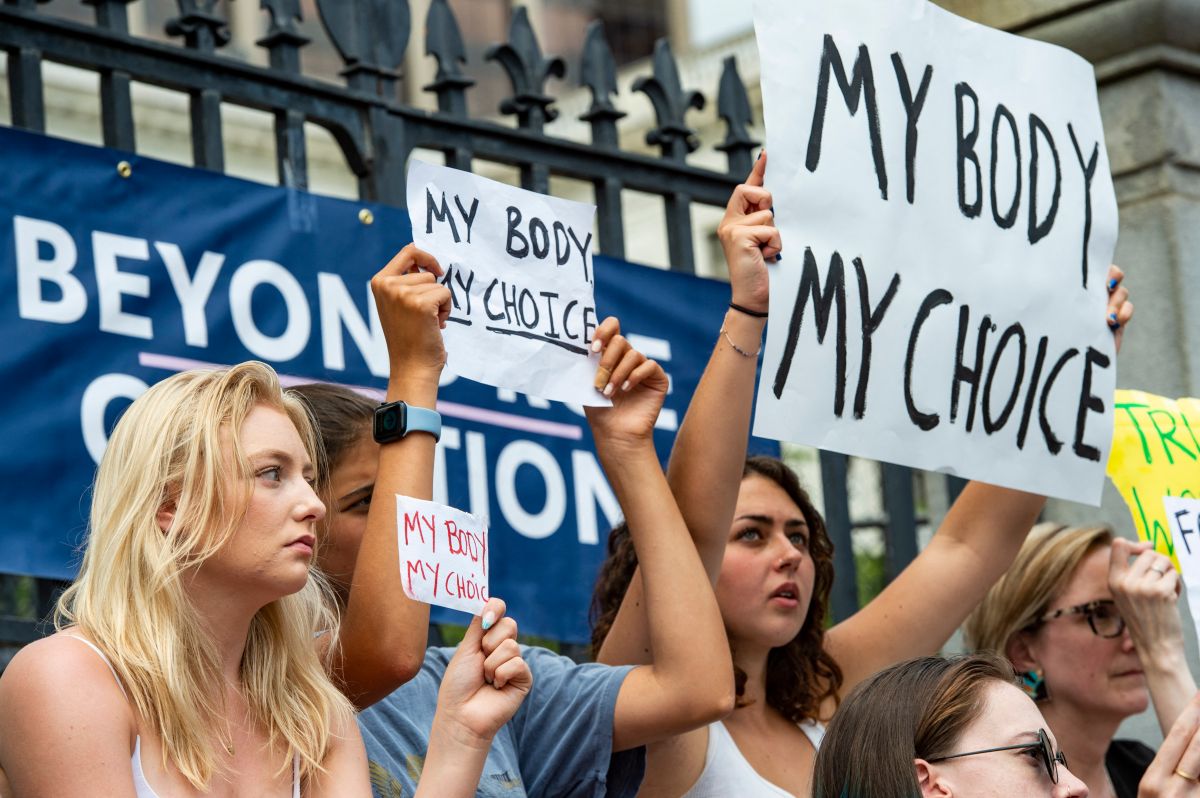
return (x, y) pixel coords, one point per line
(376, 133)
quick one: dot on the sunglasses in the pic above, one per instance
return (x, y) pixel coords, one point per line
(1049, 759)
(1102, 616)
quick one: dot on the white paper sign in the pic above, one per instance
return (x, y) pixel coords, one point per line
(443, 555)
(1183, 517)
(519, 267)
(948, 218)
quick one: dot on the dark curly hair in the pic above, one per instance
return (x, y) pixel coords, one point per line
(800, 674)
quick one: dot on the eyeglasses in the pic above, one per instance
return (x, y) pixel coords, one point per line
(1050, 759)
(1102, 616)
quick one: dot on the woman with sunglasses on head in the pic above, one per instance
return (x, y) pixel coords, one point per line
(961, 728)
(1060, 617)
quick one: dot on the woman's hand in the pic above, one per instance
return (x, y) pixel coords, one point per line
(1120, 310)
(485, 682)
(636, 385)
(748, 236)
(1175, 771)
(1146, 591)
(413, 309)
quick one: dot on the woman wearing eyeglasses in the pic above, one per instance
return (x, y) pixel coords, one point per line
(960, 728)
(952, 728)
(1059, 617)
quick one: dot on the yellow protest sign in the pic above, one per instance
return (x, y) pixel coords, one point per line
(1155, 453)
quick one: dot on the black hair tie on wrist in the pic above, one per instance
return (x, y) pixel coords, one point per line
(758, 314)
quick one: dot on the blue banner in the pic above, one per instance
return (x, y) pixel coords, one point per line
(112, 278)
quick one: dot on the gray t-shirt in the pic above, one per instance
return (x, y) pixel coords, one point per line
(558, 745)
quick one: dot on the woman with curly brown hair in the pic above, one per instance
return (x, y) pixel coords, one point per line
(770, 560)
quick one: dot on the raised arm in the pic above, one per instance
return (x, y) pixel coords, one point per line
(976, 543)
(705, 471)
(1147, 593)
(688, 680)
(383, 634)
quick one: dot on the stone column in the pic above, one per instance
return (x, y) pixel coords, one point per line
(1147, 59)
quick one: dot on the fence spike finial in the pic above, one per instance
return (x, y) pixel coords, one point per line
(598, 72)
(370, 35)
(443, 41)
(733, 105)
(284, 15)
(528, 71)
(671, 103)
(199, 25)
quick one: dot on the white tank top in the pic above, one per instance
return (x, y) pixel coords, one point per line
(141, 787)
(726, 772)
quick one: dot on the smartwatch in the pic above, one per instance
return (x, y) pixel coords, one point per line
(394, 420)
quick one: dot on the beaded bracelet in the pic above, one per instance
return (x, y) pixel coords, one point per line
(737, 348)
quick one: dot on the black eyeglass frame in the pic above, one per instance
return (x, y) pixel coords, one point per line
(1088, 610)
(1050, 760)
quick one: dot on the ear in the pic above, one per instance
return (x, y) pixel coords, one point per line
(930, 780)
(165, 516)
(1020, 651)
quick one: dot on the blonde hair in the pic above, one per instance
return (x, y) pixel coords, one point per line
(1040, 572)
(169, 450)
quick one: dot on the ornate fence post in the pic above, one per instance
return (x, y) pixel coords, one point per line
(372, 37)
(528, 71)
(203, 31)
(676, 139)
(283, 43)
(599, 73)
(444, 42)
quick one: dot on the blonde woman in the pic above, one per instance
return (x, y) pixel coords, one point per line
(1088, 632)
(187, 660)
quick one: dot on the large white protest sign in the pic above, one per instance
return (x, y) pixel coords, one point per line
(1183, 518)
(947, 216)
(443, 555)
(519, 268)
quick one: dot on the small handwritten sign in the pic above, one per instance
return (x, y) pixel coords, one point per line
(443, 555)
(1155, 453)
(1183, 523)
(519, 268)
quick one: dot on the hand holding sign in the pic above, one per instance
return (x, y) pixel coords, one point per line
(1120, 310)
(412, 308)
(637, 386)
(749, 238)
(487, 679)
(443, 555)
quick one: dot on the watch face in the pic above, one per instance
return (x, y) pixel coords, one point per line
(389, 422)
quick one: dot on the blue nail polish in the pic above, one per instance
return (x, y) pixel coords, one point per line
(1114, 325)
(779, 257)
(1112, 317)
(759, 158)
(772, 210)
(1112, 284)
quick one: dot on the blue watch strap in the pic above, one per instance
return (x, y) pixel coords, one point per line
(422, 419)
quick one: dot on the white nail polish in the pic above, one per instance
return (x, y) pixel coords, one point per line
(596, 345)
(608, 389)
(625, 386)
